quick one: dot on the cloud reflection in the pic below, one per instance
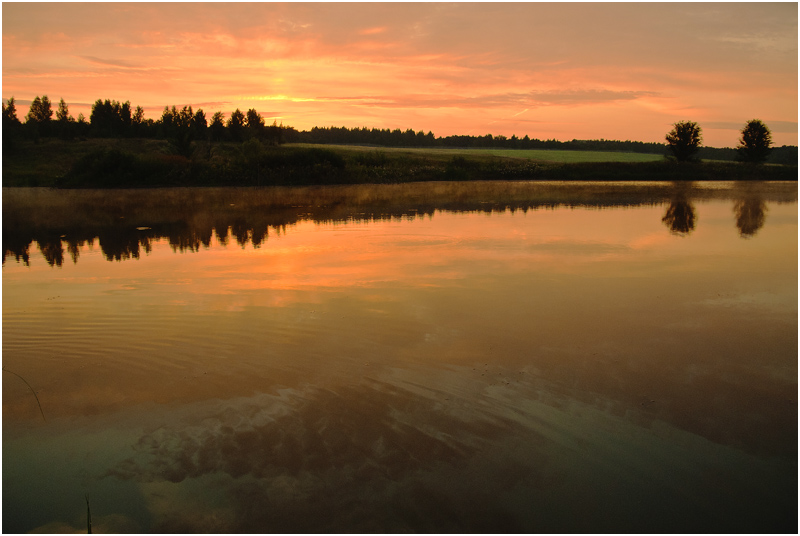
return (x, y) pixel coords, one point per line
(321, 460)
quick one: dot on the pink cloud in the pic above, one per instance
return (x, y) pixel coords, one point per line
(383, 64)
(373, 31)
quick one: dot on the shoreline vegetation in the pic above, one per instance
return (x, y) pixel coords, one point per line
(148, 163)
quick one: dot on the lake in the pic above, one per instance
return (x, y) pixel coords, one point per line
(433, 357)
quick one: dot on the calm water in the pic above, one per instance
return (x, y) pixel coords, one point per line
(435, 357)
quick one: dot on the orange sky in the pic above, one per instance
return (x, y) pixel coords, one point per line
(548, 70)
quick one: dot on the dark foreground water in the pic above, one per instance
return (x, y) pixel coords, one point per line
(435, 357)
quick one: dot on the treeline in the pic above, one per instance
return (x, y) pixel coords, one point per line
(409, 138)
(785, 154)
(182, 126)
(114, 119)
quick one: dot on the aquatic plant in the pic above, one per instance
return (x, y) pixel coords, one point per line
(29, 387)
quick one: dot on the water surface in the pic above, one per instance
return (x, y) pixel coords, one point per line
(486, 357)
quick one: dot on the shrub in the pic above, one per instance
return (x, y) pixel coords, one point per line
(112, 168)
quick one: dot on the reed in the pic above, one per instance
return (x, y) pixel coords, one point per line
(88, 515)
(29, 387)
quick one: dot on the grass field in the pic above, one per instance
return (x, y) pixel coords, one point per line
(542, 155)
(38, 164)
(137, 163)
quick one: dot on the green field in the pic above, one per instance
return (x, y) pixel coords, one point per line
(39, 164)
(542, 155)
(139, 163)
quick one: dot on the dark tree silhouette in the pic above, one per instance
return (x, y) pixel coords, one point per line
(176, 127)
(11, 125)
(138, 116)
(110, 118)
(185, 117)
(169, 122)
(137, 122)
(217, 126)
(236, 125)
(10, 112)
(62, 114)
(40, 110)
(82, 127)
(255, 123)
(39, 117)
(64, 121)
(114, 119)
(181, 133)
(199, 125)
(125, 117)
(754, 144)
(684, 140)
(274, 133)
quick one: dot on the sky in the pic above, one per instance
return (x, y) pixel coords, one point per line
(624, 71)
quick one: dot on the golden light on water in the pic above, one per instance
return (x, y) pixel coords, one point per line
(427, 351)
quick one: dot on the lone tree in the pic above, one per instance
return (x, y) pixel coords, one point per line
(754, 145)
(684, 140)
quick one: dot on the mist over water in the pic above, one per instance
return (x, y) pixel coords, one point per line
(505, 357)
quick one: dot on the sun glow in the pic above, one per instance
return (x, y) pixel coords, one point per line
(277, 98)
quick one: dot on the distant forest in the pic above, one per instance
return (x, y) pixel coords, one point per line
(113, 119)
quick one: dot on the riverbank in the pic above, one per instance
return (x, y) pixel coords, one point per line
(140, 163)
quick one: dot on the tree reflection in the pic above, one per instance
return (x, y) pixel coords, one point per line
(186, 239)
(680, 216)
(259, 234)
(189, 219)
(750, 211)
(18, 246)
(241, 232)
(74, 248)
(52, 250)
(22, 254)
(120, 244)
(221, 230)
